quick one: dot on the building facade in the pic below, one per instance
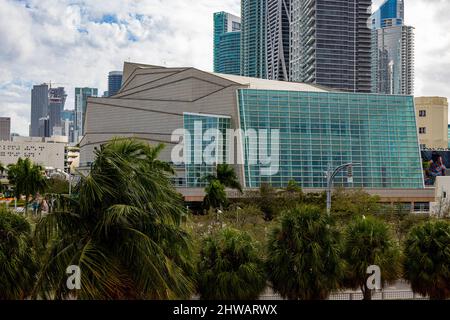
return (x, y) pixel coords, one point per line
(278, 39)
(432, 122)
(114, 82)
(392, 50)
(5, 129)
(81, 96)
(227, 43)
(39, 108)
(331, 44)
(309, 128)
(46, 154)
(253, 38)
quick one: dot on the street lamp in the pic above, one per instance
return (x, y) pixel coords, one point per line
(331, 174)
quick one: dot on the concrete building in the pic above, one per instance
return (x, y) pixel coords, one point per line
(316, 127)
(114, 82)
(278, 39)
(5, 129)
(44, 152)
(253, 39)
(227, 43)
(392, 50)
(331, 44)
(432, 122)
(39, 108)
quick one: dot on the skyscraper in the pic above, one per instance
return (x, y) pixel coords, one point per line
(253, 39)
(331, 43)
(39, 107)
(227, 43)
(392, 50)
(81, 96)
(278, 39)
(5, 129)
(57, 100)
(114, 82)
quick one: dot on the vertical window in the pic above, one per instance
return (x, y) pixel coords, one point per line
(422, 113)
(423, 130)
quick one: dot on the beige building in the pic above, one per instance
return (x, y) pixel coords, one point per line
(432, 122)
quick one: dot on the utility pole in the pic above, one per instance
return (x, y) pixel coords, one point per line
(331, 174)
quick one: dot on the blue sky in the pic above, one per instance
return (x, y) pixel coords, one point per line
(77, 42)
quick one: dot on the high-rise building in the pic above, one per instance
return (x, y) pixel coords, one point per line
(331, 43)
(81, 96)
(5, 129)
(278, 39)
(227, 43)
(253, 38)
(114, 82)
(44, 127)
(390, 13)
(39, 108)
(392, 50)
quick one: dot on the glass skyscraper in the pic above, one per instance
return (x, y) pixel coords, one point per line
(81, 96)
(114, 82)
(331, 43)
(392, 50)
(278, 39)
(227, 43)
(253, 39)
(39, 108)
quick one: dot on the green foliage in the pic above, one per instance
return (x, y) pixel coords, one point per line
(27, 179)
(347, 204)
(18, 264)
(368, 241)
(122, 228)
(215, 197)
(427, 259)
(57, 186)
(293, 187)
(267, 201)
(304, 255)
(229, 267)
(227, 176)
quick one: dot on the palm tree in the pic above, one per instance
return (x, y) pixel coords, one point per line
(122, 228)
(2, 168)
(368, 241)
(27, 179)
(216, 197)
(18, 265)
(230, 267)
(304, 255)
(226, 175)
(427, 259)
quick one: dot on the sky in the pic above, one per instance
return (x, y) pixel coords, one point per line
(75, 43)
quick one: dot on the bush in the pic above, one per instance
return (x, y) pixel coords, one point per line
(304, 255)
(229, 267)
(427, 259)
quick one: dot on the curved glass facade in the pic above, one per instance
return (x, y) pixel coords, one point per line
(322, 129)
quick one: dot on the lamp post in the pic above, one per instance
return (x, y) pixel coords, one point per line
(331, 174)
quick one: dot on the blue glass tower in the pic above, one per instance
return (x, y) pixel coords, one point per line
(390, 13)
(227, 43)
(114, 82)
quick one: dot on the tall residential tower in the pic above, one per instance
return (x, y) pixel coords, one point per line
(114, 82)
(227, 43)
(81, 95)
(392, 50)
(331, 43)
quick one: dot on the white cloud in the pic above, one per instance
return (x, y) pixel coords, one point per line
(66, 42)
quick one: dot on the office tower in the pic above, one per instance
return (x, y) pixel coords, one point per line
(331, 43)
(39, 107)
(392, 50)
(5, 129)
(390, 13)
(81, 96)
(278, 39)
(253, 38)
(68, 115)
(114, 82)
(227, 43)
(57, 99)
(44, 127)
